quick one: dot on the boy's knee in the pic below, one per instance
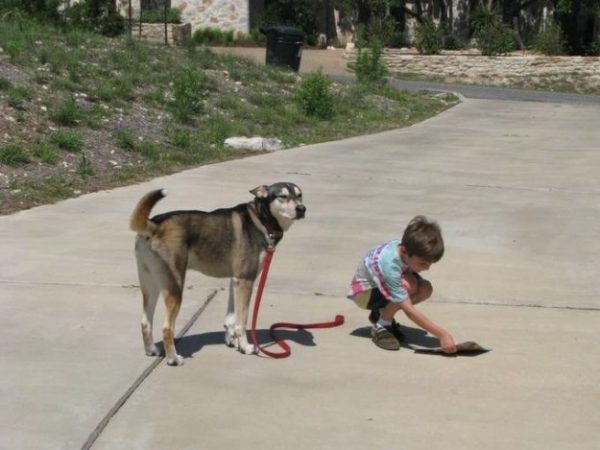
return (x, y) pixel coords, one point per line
(424, 291)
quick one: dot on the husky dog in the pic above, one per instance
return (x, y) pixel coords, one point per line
(227, 242)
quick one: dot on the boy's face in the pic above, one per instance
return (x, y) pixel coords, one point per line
(414, 263)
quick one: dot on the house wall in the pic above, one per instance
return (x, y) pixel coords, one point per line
(222, 14)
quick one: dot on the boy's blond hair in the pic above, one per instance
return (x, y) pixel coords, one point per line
(423, 238)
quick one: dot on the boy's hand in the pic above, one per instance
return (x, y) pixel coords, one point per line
(447, 343)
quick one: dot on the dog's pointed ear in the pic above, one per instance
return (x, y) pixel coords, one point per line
(260, 191)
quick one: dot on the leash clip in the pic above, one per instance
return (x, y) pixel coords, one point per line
(270, 241)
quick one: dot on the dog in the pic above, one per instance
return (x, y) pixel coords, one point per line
(224, 243)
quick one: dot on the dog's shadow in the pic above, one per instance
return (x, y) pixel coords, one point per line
(187, 346)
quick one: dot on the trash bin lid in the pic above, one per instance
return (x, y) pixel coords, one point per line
(285, 31)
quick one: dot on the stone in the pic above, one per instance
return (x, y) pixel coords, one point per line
(255, 144)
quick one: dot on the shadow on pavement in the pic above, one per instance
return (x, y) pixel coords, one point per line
(187, 346)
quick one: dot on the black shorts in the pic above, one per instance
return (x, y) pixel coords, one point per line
(378, 301)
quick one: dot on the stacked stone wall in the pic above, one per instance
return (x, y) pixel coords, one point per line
(511, 70)
(223, 14)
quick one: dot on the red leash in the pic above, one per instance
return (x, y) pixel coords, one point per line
(339, 320)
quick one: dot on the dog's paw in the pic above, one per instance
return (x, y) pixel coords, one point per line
(152, 351)
(248, 349)
(177, 361)
(230, 338)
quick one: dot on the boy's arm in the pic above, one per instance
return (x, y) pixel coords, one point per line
(446, 340)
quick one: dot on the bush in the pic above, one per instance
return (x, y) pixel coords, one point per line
(428, 37)
(68, 114)
(157, 16)
(67, 140)
(96, 15)
(551, 40)
(493, 37)
(13, 155)
(370, 67)
(190, 87)
(45, 152)
(313, 96)
(208, 36)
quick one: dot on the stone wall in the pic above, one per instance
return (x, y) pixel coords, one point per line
(223, 14)
(513, 70)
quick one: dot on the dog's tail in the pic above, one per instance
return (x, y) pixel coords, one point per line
(140, 222)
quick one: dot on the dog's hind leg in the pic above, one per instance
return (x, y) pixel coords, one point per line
(173, 304)
(242, 293)
(150, 293)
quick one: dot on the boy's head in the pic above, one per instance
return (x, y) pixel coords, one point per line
(422, 239)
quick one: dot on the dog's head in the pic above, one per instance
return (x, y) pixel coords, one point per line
(284, 202)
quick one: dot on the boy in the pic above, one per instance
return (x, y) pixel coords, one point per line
(387, 280)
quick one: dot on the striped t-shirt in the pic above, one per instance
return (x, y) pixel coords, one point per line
(381, 268)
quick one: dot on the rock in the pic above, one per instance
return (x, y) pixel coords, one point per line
(255, 144)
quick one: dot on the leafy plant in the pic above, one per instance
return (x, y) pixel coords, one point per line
(85, 168)
(17, 95)
(68, 113)
(493, 37)
(314, 96)
(158, 16)
(67, 140)
(428, 37)
(370, 67)
(551, 40)
(45, 152)
(13, 154)
(124, 139)
(190, 87)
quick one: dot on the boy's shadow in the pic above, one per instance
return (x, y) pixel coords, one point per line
(411, 335)
(420, 338)
(187, 346)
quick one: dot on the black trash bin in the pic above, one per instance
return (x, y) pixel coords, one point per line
(284, 46)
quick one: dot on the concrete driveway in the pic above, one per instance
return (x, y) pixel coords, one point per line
(516, 189)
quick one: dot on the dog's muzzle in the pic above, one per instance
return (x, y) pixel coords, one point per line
(300, 211)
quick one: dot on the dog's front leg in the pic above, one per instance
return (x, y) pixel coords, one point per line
(242, 291)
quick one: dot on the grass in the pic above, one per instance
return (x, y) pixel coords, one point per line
(95, 113)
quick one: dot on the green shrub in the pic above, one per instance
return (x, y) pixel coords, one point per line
(150, 150)
(45, 152)
(428, 37)
(157, 16)
(180, 137)
(190, 87)
(124, 139)
(313, 96)
(551, 40)
(370, 67)
(595, 47)
(85, 168)
(17, 96)
(209, 35)
(96, 16)
(68, 113)
(493, 37)
(67, 140)
(13, 154)
(5, 84)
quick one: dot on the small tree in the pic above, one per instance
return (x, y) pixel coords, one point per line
(551, 40)
(370, 67)
(493, 37)
(428, 37)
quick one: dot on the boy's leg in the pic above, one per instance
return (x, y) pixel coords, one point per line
(377, 303)
(382, 332)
